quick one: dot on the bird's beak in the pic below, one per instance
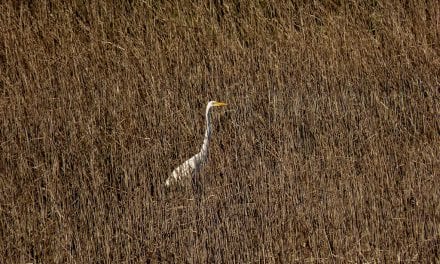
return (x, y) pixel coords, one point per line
(219, 104)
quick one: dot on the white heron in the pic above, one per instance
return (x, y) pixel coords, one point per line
(192, 166)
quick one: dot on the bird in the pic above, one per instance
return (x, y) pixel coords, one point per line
(192, 166)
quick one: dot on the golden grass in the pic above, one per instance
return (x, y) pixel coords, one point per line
(327, 152)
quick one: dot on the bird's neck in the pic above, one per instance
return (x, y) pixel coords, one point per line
(205, 146)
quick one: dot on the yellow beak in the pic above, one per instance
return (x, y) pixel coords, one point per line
(219, 104)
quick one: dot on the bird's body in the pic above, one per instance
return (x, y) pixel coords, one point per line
(191, 167)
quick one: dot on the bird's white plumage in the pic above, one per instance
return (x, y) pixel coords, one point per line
(192, 166)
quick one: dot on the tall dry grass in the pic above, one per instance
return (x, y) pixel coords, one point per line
(327, 152)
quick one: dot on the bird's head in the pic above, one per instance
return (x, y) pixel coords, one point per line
(215, 103)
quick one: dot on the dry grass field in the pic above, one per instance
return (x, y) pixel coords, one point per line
(328, 150)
